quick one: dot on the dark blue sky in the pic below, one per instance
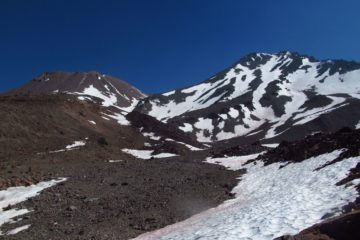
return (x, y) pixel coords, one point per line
(159, 45)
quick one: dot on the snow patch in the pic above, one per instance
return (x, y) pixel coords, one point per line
(270, 145)
(233, 113)
(233, 163)
(92, 122)
(187, 127)
(164, 155)
(205, 127)
(107, 100)
(18, 229)
(15, 195)
(115, 161)
(168, 93)
(152, 136)
(120, 118)
(75, 145)
(147, 154)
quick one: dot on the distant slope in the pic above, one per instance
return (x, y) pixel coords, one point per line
(110, 90)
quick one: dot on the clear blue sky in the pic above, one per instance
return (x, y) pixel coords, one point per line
(159, 45)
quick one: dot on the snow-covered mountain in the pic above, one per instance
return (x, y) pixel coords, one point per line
(265, 96)
(87, 85)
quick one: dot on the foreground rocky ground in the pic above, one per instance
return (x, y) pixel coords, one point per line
(101, 199)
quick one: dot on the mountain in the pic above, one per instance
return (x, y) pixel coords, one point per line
(267, 148)
(111, 91)
(268, 97)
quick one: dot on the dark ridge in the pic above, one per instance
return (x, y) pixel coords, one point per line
(345, 227)
(314, 145)
(151, 124)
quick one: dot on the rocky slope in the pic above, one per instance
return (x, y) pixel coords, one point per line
(108, 194)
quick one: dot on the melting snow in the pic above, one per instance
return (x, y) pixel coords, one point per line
(358, 125)
(15, 195)
(271, 202)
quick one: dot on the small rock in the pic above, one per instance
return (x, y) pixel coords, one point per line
(71, 208)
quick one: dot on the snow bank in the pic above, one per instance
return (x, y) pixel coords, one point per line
(15, 195)
(272, 201)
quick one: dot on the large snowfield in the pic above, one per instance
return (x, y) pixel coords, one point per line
(271, 201)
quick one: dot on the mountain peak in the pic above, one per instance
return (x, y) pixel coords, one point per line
(110, 89)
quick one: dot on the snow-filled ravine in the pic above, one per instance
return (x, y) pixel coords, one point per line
(271, 202)
(15, 195)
